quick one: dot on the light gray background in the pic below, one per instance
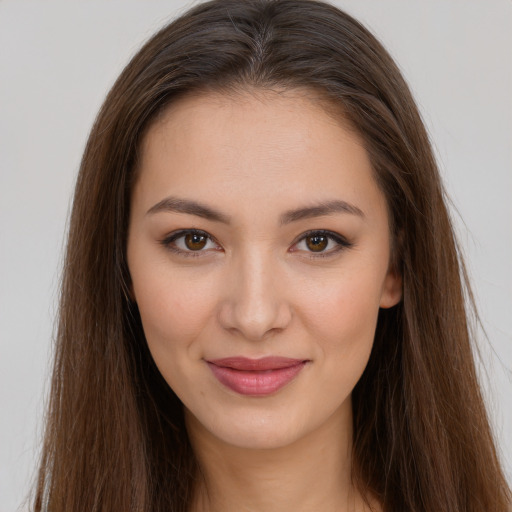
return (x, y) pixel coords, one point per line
(59, 58)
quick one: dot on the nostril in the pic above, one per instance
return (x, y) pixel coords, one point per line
(255, 321)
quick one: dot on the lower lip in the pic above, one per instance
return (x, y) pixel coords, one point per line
(256, 383)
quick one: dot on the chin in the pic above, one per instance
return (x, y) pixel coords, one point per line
(252, 431)
(261, 440)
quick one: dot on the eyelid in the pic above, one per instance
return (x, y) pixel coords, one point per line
(167, 242)
(340, 240)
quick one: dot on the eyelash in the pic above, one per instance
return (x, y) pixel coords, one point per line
(342, 242)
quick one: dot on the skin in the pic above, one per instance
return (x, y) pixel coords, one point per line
(258, 289)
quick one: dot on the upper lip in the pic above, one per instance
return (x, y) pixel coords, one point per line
(264, 363)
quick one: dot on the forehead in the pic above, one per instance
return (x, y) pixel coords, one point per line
(253, 116)
(258, 145)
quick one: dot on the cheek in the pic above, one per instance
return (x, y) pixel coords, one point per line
(344, 306)
(343, 318)
(174, 308)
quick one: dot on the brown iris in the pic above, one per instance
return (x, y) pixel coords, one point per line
(195, 242)
(317, 243)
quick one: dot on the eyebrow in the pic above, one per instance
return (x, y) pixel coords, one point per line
(178, 205)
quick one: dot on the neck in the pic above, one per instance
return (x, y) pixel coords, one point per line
(312, 473)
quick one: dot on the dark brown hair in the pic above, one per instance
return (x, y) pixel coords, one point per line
(115, 437)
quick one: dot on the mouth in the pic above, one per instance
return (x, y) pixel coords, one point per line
(256, 377)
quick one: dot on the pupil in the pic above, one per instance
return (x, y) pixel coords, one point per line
(317, 243)
(195, 242)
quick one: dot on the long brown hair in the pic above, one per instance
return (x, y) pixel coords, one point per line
(115, 435)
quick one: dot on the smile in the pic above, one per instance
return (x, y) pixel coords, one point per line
(256, 377)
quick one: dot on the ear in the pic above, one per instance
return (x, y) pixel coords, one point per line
(393, 283)
(391, 289)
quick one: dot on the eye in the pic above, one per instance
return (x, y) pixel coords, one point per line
(195, 243)
(189, 242)
(321, 243)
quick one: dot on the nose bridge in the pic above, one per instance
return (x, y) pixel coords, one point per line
(255, 305)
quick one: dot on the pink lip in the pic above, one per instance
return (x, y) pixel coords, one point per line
(256, 377)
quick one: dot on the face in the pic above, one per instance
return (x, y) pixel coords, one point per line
(259, 253)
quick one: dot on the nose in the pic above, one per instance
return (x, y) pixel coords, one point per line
(254, 304)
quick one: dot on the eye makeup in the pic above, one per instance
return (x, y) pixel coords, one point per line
(193, 243)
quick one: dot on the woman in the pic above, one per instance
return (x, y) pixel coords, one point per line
(262, 305)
